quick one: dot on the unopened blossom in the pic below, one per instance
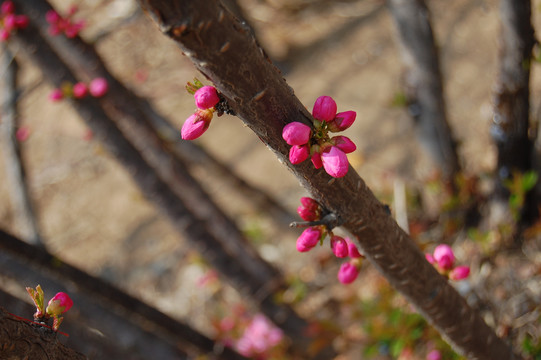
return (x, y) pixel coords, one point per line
(7, 7)
(335, 162)
(348, 273)
(59, 304)
(56, 95)
(309, 209)
(342, 121)
(324, 108)
(298, 153)
(316, 160)
(9, 21)
(206, 97)
(443, 254)
(98, 87)
(353, 252)
(308, 239)
(196, 124)
(339, 246)
(59, 24)
(80, 90)
(296, 133)
(344, 144)
(459, 273)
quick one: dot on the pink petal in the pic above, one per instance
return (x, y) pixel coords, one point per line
(342, 121)
(196, 125)
(347, 273)
(316, 160)
(335, 162)
(296, 133)
(443, 254)
(459, 273)
(98, 87)
(344, 144)
(298, 154)
(339, 246)
(324, 108)
(206, 97)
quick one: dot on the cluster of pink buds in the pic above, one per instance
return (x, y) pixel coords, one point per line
(444, 261)
(9, 21)
(259, 336)
(206, 99)
(59, 304)
(316, 144)
(311, 211)
(66, 25)
(97, 88)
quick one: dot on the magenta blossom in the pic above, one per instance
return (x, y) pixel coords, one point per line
(339, 246)
(296, 133)
(196, 124)
(206, 97)
(56, 95)
(348, 273)
(309, 209)
(352, 249)
(80, 90)
(308, 239)
(344, 144)
(98, 87)
(324, 108)
(433, 355)
(335, 162)
(443, 254)
(298, 153)
(59, 304)
(342, 121)
(459, 273)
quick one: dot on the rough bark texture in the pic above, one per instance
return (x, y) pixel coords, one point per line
(223, 49)
(97, 304)
(424, 85)
(23, 214)
(22, 340)
(165, 181)
(510, 126)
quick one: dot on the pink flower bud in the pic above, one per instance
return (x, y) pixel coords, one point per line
(9, 22)
(296, 133)
(206, 97)
(308, 239)
(335, 162)
(342, 121)
(7, 7)
(21, 21)
(324, 108)
(307, 214)
(430, 258)
(52, 16)
(59, 304)
(348, 273)
(98, 87)
(80, 90)
(443, 254)
(309, 203)
(433, 355)
(316, 160)
(352, 249)
(56, 95)
(4, 35)
(339, 246)
(344, 144)
(298, 154)
(196, 124)
(459, 273)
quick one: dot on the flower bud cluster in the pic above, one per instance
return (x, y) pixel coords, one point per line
(9, 21)
(206, 98)
(316, 144)
(97, 88)
(311, 211)
(66, 25)
(59, 304)
(443, 259)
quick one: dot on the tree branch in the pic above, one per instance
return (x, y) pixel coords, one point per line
(224, 51)
(424, 85)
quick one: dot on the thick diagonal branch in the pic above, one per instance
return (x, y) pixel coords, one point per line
(166, 183)
(226, 53)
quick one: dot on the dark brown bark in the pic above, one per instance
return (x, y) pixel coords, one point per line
(165, 182)
(23, 214)
(423, 82)
(122, 318)
(224, 51)
(511, 122)
(21, 340)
